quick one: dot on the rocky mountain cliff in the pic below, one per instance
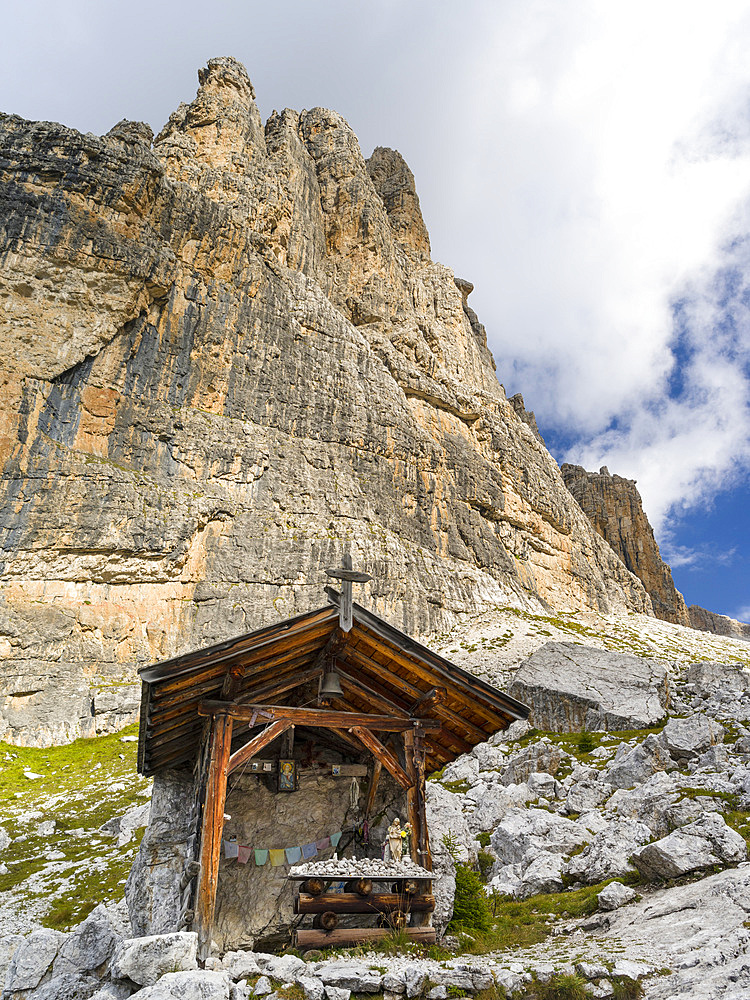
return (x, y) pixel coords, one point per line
(613, 505)
(227, 355)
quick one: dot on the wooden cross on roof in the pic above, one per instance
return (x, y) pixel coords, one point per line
(348, 576)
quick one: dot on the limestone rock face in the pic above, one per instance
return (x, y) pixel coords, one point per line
(613, 505)
(227, 355)
(707, 621)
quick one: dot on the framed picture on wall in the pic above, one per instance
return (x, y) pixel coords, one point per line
(287, 775)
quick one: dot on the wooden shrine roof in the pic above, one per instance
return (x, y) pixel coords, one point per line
(382, 671)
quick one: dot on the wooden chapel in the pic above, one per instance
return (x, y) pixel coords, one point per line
(392, 701)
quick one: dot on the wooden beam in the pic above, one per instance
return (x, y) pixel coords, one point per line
(376, 698)
(351, 902)
(349, 740)
(241, 756)
(386, 758)
(314, 716)
(377, 767)
(211, 830)
(412, 813)
(435, 696)
(359, 935)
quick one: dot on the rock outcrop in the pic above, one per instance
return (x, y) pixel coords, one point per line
(707, 621)
(613, 505)
(227, 356)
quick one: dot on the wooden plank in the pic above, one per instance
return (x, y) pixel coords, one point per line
(359, 935)
(211, 830)
(386, 758)
(351, 902)
(314, 716)
(349, 740)
(375, 698)
(244, 754)
(377, 767)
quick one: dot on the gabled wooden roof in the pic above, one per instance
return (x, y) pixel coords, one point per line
(382, 671)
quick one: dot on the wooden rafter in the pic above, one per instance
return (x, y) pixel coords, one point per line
(244, 754)
(383, 754)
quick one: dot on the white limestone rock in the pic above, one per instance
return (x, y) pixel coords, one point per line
(90, 945)
(337, 993)
(69, 986)
(615, 895)
(544, 874)
(572, 688)
(637, 765)
(706, 842)
(312, 987)
(687, 739)
(353, 976)
(144, 960)
(32, 959)
(586, 795)
(193, 985)
(524, 829)
(263, 987)
(609, 852)
(240, 964)
(284, 968)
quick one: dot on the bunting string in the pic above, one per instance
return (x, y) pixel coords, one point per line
(279, 855)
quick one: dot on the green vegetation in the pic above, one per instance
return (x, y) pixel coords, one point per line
(562, 986)
(484, 838)
(60, 877)
(471, 910)
(485, 860)
(625, 988)
(586, 742)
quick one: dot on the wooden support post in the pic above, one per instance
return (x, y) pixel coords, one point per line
(425, 855)
(377, 767)
(386, 758)
(211, 830)
(412, 813)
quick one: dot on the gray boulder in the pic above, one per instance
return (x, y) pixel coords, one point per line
(615, 895)
(570, 688)
(337, 993)
(544, 874)
(586, 795)
(702, 844)
(354, 976)
(312, 987)
(608, 854)
(90, 946)
(197, 985)
(4, 838)
(533, 830)
(687, 739)
(284, 968)
(632, 767)
(650, 802)
(240, 964)
(542, 756)
(32, 960)
(69, 986)
(144, 960)
(8, 945)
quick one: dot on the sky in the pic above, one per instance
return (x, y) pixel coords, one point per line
(586, 164)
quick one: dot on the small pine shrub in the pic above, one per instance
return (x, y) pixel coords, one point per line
(586, 743)
(485, 860)
(484, 838)
(471, 911)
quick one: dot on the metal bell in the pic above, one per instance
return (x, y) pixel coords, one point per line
(331, 685)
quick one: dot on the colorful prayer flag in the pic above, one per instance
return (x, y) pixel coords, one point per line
(243, 854)
(260, 857)
(231, 848)
(323, 844)
(293, 854)
(278, 857)
(309, 850)
(335, 838)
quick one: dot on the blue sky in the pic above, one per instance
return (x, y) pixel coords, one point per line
(586, 165)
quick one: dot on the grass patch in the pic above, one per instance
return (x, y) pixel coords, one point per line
(457, 787)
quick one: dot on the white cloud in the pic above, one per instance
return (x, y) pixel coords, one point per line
(614, 141)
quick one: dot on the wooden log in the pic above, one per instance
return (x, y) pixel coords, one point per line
(326, 920)
(412, 812)
(376, 902)
(343, 936)
(211, 829)
(244, 754)
(362, 886)
(314, 716)
(386, 758)
(315, 886)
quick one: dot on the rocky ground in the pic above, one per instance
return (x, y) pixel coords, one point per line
(613, 861)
